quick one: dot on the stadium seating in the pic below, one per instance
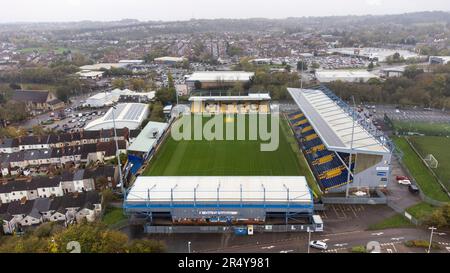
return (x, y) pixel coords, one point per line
(329, 169)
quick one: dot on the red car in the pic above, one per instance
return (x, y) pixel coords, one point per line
(400, 177)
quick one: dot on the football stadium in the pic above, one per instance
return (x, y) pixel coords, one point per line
(322, 148)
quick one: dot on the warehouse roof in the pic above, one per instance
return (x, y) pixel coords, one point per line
(333, 124)
(249, 97)
(100, 66)
(343, 75)
(133, 113)
(252, 189)
(169, 59)
(148, 137)
(214, 76)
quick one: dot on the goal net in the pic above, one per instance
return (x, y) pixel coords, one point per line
(431, 161)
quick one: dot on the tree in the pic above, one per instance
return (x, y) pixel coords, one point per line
(93, 238)
(118, 83)
(12, 132)
(38, 130)
(166, 95)
(302, 65)
(170, 80)
(13, 111)
(137, 84)
(411, 71)
(198, 85)
(146, 246)
(157, 113)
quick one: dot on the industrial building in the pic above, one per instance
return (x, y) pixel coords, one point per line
(217, 79)
(226, 200)
(439, 59)
(126, 115)
(169, 60)
(102, 99)
(374, 54)
(324, 76)
(342, 148)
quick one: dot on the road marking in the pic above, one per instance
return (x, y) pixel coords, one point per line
(377, 234)
(448, 249)
(324, 240)
(441, 233)
(442, 243)
(389, 250)
(397, 239)
(393, 245)
(343, 244)
(267, 247)
(286, 251)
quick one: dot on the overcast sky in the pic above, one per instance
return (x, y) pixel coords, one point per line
(169, 10)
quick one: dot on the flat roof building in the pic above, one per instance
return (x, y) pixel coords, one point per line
(218, 79)
(148, 138)
(324, 76)
(439, 59)
(375, 54)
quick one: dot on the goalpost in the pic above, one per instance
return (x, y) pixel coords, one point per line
(431, 161)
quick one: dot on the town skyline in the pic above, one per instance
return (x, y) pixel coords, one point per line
(83, 10)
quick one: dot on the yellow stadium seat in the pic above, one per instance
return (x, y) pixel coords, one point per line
(317, 148)
(311, 137)
(307, 129)
(301, 122)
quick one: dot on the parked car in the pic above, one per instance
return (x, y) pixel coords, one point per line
(318, 245)
(404, 182)
(401, 177)
(414, 189)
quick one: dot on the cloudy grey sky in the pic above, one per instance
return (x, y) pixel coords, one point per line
(106, 10)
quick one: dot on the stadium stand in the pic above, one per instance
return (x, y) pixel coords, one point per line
(329, 170)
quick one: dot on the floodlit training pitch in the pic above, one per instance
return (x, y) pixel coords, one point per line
(228, 157)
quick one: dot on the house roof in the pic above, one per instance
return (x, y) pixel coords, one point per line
(18, 207)
(30, 96)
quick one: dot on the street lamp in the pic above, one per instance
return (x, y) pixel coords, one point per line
(309, 238)
(431, 237)
(122, 186)
(189, 247)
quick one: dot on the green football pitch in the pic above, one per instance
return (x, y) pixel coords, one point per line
(229, 157)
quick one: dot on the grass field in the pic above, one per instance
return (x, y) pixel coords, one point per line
(426, 128)
(229, 158)
(113, 216)
(439, 147)
(396, 221)
(421, 210)
(419, 171)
